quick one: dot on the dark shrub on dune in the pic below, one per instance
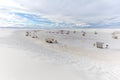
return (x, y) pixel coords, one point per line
(68, 32)
(74, 32)
(51, 40)
(95, 33)
(27, 33)
(115, 37)
(61, 31)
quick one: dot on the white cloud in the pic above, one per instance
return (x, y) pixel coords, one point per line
(76, 8)
(64, 19)
(10, 4)
(58, 10)
(77, 12)
(8, 19)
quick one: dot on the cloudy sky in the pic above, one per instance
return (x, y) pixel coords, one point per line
(60, 13)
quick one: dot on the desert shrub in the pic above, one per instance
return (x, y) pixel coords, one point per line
(55, 41)
(27, 33)
(107, 45)
(115, 37)
(83, 33)
(51, 40)
(95, 33)
(33, 36)
(94, 44)
(61, 31)
(74, 31)
(68, 32)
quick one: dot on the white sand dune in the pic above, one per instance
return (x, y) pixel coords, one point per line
(73, 58)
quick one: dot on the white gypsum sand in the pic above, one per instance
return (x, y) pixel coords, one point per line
(73, 57)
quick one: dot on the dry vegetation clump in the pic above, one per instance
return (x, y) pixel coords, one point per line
(100, 45)
(51, 40)
(62, 32)
(68, 32)
(74, 32)
(34, 36)
(94, 44)
(95, 33)
(115, 37)
(27, 33)
(107, 46)
(84, 33)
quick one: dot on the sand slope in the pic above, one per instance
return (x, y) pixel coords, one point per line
(73, 58)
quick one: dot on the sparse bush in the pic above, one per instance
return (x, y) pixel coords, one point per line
(51, 40)
(68, 32)
(83, 33)
(56, 41)
(115, 37)
(74, 32)
(27, 33)
(94, 44)
(33, 36)
(61, 31)
(95, 33)
(99, 45)
(106, 45)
